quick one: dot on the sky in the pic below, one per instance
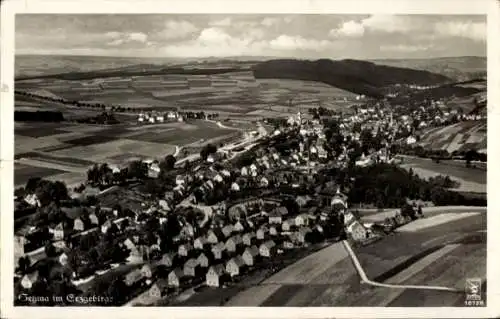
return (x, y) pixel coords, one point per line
(299, 36)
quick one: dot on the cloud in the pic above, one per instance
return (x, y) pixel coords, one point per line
(120, 38)
(465, 29)
(175, 29)
(390, 23)
(268, 22)
(286, 42)
(405, 48)
(349, 29)
(221, 23)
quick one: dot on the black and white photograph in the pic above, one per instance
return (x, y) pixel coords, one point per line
(250, 160)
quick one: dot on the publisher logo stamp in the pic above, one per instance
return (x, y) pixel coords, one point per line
(473, 294)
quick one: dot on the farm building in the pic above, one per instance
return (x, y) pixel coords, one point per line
(175, 277)
(235, 266)
(216, 276)
(233, 243)
(93, 219)
(159, 289)
(250, 255)
(147, 271)
(59, 232)
(275, 217)
(218, 250)
(267, 249)
(249, 238)
(302, 220)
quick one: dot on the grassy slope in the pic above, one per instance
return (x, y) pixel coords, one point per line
(460, 136)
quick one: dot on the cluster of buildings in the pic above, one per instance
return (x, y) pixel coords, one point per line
(159, 117)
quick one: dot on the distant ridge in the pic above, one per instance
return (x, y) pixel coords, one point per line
(360, 77)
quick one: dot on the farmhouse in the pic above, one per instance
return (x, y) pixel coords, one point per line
(159, 289)
(250, 255)
(78, 225)
(216, 276)
(267, 249)
(147, 271)
(235, 265)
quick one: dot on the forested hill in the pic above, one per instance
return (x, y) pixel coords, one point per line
(360, 77)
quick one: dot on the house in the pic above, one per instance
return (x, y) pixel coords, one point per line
(218, 249)
(275, 217)
(227, 230)
(167, 259)
(204, 259)
(233, 243)
(274, 230)
(241, 225)
(134, 250)
(301, 220)
(147, 271)
(301, 234)
(63, 259)
(235, 266)
(262, 232)
(19, 242)
(105, 226)
(267, 249)
(289, 224)
(264, 182)
(200, 242)
(78, 225)
(214, 236)
(235, 187)
(244, 171)
(250, 255)
(159, 289)
(249, 238)
(93, 219)
(288, 244)
(133, 277)
(29, 279)
(357, 231)
(216, 276)
(184, 249)
(190, 267)
(175, 277)
(188, 230)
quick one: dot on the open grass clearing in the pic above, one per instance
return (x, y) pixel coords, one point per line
(22, 173)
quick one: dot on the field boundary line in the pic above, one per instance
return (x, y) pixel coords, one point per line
(366, 280)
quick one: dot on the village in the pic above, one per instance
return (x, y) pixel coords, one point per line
(209, 221)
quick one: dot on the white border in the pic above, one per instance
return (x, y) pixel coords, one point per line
(8, 10)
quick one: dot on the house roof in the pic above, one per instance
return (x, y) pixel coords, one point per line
(178, 272)
(218, 269)
(219, 245)
(237, 239)
(238, 260)
(269, 244)
(253, 250)
(193, 262)
(249, 234)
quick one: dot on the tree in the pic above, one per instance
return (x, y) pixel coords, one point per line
(23, 264)
(169, 162)
(50, 250)
(138, 170)
(207, 150)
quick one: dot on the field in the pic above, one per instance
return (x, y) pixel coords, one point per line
(65, 151)
(233, 93)
(443, 255)
(457, 137)
(470, 179)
